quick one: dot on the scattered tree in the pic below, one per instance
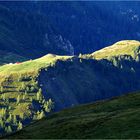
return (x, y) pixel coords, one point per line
(14, 119)
(8, 129)
(18, 99)
(39, 95)
(1, 89)
(3, 97)
(20, 126)
(49, 105)
(23, 97)
(40, 115)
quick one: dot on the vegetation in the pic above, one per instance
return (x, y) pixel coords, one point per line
(128, 47)
(31, 89)
(117, 118)
(19, 103)
(27, 66)
(21, 98)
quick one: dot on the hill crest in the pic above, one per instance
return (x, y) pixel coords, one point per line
(125, 47)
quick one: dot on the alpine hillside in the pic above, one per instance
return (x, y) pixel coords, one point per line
(117, 118)
(32, 89)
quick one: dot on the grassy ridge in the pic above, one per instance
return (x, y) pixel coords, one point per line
(32, 65)
(116, 118)
(127, 47)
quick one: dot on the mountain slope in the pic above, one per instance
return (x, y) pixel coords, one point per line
(25, 35)
(93, 25)
(31, 89)
(60, 76)
(117, 118)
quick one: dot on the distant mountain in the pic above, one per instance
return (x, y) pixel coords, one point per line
(26, 36)
(34, 28)
(117, 118)
(88, 25)
(31, 89)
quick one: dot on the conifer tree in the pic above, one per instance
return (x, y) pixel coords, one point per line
(3, 112)
(1, 123)
(39, 95)
(1, 89)
(3, 97)
(41, 115)
(25, 93)
(49, 105)
(80, 55)
(31, 99)
(20, 126)
(23, 97)
(8, 129)
(18, 99)
(137, 58)
(9, 119)
(15, 119)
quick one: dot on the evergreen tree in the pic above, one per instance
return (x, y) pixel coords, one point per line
(39, 95)
(41, 115)
(121, 67)
(27, 89)
(137, 58)
(115, 62)
(9, 107)
(25, 93)
(2, 123)
(18, 99)
(1, 89)
(3, 112)
(3, 97)
(23, 97)
(19, 78)
(20, 126)
(8, 129)
(132, 69)
(32, 89)
(9, 119)
(80, 55)
(49, 105)
(23, 86)
(31, 99)
(15, 119)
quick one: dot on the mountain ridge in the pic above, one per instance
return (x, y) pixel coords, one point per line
(125, 47)
(53, 83)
